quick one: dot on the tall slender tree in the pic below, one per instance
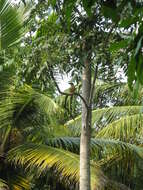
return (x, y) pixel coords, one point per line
(86, 123)
(84, 36)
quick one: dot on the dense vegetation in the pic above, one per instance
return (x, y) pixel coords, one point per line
(88, 136)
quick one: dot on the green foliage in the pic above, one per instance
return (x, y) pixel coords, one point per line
(110, 155)
(108, 115)
(65, 163)
(49, 27)
(126, 129)
(3, 184)
(118, 45)
(19, 182)
(113, 148)
(48, 46)
(36, 118)
(110, 13)
(57, 155)
(131, 42)
(11, 24)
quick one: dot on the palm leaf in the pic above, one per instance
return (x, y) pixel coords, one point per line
(4, 138)
(11, 24)
(3, 185)
(126, 129)
(71, 144)
(114, 157)
(48, 105)
(43, 157)
(102, 88)
(28, 102)
(100, 148)
(101, 117)
(18, 182)
(116, 186)
(6, 79)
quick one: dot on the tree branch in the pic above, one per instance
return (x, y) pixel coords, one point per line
(67, 94)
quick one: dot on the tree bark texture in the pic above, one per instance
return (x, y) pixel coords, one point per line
(86, 129)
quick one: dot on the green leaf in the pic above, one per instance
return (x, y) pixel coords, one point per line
(118, 45)
(88, 5)
(138, 46)
(68, 8)
(110, 13)
(110, 114)
(140, 69)
(114, 150)
(18, 101)
(131, 72)
(126, 23)
(125, 129)
(3, 185)
(135, 90)
(11, 24)
(19, 182)
(65, 163)
(52, 2)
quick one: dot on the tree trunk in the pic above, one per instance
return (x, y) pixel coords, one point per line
(86, 129)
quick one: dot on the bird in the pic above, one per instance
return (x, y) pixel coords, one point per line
(72, 88)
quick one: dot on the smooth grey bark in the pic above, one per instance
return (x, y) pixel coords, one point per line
(86, 129)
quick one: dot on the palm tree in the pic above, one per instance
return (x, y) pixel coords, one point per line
(29, 116)
(11, 24)
(121, 125)
(10, 33)
(34, 138)
(29, 110)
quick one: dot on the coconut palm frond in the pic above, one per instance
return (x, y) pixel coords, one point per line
(101, 149)
(4, 138)
(109, 154)
(48, 105)
(43, 102)
(6, 80)
(116, 186)
(103, 88)
(67, 143)
(113, 113)
(104, 116)
(28, 102)
(18, 182)
(3, 185)
(113, 91)
(126, 129)
(64, 163)
(11, 24)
